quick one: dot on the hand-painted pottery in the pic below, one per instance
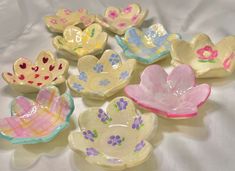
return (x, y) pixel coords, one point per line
(40, 121)
(172, 96)
(28, 77)
(207, 59)
(119, 20)
(115, 138)
(78, 43)
(65, 17)
(99, 79)
(148, 46)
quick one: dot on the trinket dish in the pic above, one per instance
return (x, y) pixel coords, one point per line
(147, 46)
(40, 121)
(119, 20)
(207, 59)
(65, 17)
(99, 79)
(78, 43)
(29, 78)
(172, 96)
(115, 138)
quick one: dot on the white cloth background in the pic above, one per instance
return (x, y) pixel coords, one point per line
(204, 143)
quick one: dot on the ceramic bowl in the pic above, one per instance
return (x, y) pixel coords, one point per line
(65, 17)
(115, 138)
(78, 43)
(119, 20)
(172, 96)
(40, 121)
(207, 59)
(148, 46)
(99, 79)
(29, 78)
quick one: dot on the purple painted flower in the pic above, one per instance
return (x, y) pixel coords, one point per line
(121, 104)
(91, 152)
(90, 135)
(82, 76)
(139, 146)
(124, 75)
(138, 123)
(98, 68)
(104, 117)
(115, 140)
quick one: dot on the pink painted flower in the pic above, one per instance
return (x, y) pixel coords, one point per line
(207, 53)
(172, 96)
(67, 11)
(53, 21)
(127, 9)
(134, 18)
(228, 61)
(122, 25)
(63, 20)
(113, 14)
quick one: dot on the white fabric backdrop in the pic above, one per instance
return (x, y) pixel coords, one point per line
(204, 143)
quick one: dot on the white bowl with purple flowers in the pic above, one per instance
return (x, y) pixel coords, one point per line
(115, 138)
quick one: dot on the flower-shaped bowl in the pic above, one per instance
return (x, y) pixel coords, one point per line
(78, 43)
(40, 121)
(65, 17)
(28, 77)
(119, 20)
(207, 59)
(171, 96)
(147, 46)
(99, 79)
(115, 138)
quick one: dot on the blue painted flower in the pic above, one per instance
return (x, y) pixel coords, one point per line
(124, 75)
(114, 59)
(82, 76)
(138, 123)
(104, 82)
(98, 68)
(121, 104)
(115, 140)
(104, 117)
(90, 135)
(77, 87)
(91, 152)
(139, 146)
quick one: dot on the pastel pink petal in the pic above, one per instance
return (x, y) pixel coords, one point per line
(22, 106)
(181, 78)
(200, 52)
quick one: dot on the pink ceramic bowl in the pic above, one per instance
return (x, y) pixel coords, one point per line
(172, 96)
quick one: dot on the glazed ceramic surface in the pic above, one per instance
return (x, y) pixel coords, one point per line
(99, 79)
(28, 77)
(115, 138)
(119, 20)
(78, 43)
(146, 46)
(173, 96)
(206, 58)
(65, 17)
(40, 121)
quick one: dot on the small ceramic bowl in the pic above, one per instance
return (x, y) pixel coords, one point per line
(119, 20)
(147, 46)
(40, 121)
(115, 138)
(78, 43)
(172, 96)
(99, 79)
(207, 59)
(29, 78)
(65, 17)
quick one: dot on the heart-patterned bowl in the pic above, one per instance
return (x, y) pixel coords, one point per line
(147, 46)
(77, 43)
(99, 79)
(119, 20)
(65, 17)
(29, 78)
(206, 58)
(37, 121)
(173, 96)
(115, 138)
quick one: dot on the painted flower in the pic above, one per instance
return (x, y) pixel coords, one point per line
(78, 87)
(90, 135)
(53, 21)
(132, 15)
(138, 123)
(76, 43)
(114, 138)
(110, 73)
(29, 77)
(207, 59)
(147, 46)
(171, 96)
(121, 104)
(82, 76)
